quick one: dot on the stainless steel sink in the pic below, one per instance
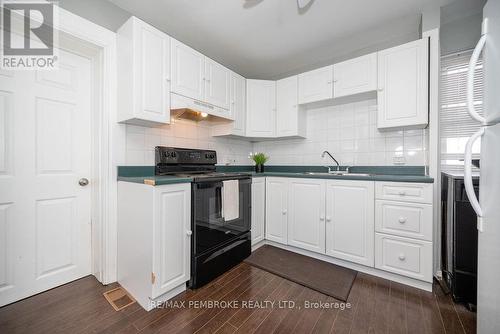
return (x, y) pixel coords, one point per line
(337, 174)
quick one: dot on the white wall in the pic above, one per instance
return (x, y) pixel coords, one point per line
(349, 132)
(141, 142)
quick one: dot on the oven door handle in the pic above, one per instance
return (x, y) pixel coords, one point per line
(225, 249)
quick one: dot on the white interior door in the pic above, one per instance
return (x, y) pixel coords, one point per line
(45, 149)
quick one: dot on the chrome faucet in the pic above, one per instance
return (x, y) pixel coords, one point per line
(331, 156)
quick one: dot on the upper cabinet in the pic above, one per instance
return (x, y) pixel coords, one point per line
(238, 103)
(188, 71)
(217, 82)
(199, 77)
(261, 108)
(237, 93)
(143, 74)
(289, 121)
(354, 76)
(403, 85)
(316, 85)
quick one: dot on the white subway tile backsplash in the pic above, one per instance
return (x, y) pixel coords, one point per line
(348, 131)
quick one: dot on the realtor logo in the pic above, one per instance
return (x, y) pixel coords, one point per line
(28, 35)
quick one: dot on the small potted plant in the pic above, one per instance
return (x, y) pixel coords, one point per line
(259, 159)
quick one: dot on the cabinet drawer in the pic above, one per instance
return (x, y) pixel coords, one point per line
(404, 191)
(412, 220)
(407, 257)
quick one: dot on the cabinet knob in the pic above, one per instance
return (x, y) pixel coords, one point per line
(380, 89)
(402, 220)
(321, 218)
(402, 193)
(167, 79)
(284, 212)
(189, 233)
(402, 257)
(328, 219)
(329, 82)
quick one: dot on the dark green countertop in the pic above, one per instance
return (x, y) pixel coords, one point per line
(376, 177)
(155, 180)
(145, 174)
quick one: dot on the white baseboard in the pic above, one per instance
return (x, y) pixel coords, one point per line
(367, 270)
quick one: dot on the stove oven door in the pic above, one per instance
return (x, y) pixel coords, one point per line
(210, 228)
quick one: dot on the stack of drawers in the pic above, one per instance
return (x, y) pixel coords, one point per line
(403, 229)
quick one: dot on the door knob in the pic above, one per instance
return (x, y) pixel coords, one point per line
(83, 182)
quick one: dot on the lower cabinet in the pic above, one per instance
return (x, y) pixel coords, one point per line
(350, 220)
(404, 256)
(154, 240)
(306, 214)
(258, 209)
(276, 209)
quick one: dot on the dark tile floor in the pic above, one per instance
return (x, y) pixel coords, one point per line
(377, 306)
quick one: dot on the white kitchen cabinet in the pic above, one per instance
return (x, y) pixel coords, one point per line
(238, 103)
(306, 214)
(258, 209)
(188, 71)
(354, 76)
(403, 81)
(413, 220)
(217, 84)
(143, 74)
(276, 209)
(407, 257)
(289, 120)
(261, 108)
(350, 220)
(154, 240)
(316, 85)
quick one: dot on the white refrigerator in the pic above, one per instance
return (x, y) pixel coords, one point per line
(487, 207)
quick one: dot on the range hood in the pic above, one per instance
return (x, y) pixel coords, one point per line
(182, 107)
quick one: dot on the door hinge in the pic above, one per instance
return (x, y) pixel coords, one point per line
(153, 278)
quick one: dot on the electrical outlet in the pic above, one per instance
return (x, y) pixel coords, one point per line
(399, 160)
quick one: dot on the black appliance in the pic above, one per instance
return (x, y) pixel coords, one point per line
(459, 239)
(216, 245)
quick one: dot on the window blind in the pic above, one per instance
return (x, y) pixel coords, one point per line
(456, 125)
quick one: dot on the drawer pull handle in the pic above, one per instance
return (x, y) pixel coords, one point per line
(402, 220)
(402, 257)
(402, 193)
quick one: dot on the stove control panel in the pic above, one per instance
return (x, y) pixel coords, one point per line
(184, 156)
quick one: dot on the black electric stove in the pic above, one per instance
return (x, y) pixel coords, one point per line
(217, 244)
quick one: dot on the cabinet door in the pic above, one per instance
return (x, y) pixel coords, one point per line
(258, 209)
(153, 73)
(350, 220)
(316, 85)
(171, 237)
(355, 76)
(188, 71)
(238, 103)
(306, 214)
(276, 209)
(217, 84)
(402, 85)
(261, 108)
(287, 117)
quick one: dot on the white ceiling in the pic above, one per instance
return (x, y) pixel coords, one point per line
(268, 39)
